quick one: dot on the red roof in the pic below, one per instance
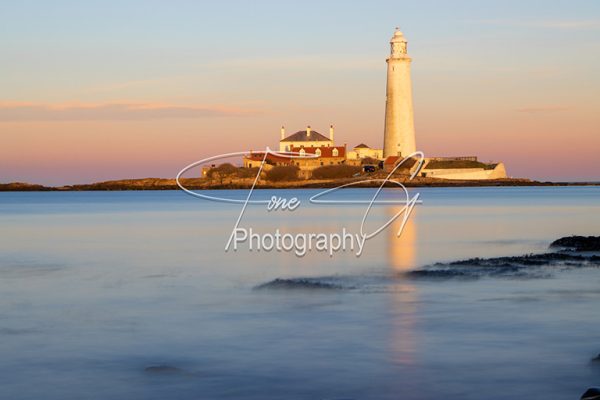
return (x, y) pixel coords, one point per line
(259, 156)
(391, 160)
(326, 151)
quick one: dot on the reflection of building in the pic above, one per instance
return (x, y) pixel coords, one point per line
(402, 257)
(402, 250)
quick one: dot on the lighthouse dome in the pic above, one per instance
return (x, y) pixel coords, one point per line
(398, 36)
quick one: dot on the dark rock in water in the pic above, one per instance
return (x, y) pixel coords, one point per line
(162, 369)
(596, 359)
(526, 266)
(440, 274)
(591, 394)
(578, 243)
(298, 283)
(528, 260)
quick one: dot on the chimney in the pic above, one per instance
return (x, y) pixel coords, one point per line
(282, 132)
(331, 132)
(308, 131)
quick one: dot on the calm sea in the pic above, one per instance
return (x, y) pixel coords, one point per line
(130, 295)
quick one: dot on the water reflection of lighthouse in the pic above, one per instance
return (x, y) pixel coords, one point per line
(402, 257)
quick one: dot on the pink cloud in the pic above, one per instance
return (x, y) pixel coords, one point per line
(121, 111)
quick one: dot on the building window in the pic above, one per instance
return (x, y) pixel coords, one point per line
(249, 165)
(335, 152)
(302, 152)
(321, 163)
(318, 152)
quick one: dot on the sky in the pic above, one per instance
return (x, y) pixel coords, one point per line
(98, 90)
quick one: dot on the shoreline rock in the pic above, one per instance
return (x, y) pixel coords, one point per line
(591, 394)
(524, 266)
(577, 243)
(205, 184)
(297, 283)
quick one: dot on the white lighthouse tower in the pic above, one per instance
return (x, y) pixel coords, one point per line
(399, 133)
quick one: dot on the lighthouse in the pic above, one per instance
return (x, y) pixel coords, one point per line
(399, 131)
